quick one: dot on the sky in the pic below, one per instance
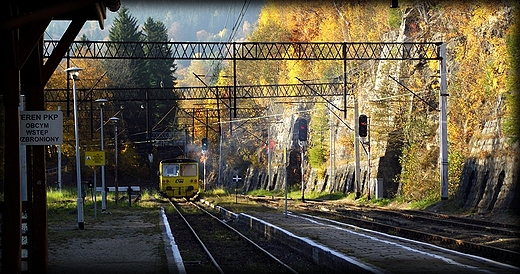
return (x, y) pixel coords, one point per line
(195, 20)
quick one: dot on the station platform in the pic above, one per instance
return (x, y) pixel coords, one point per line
(350, 249)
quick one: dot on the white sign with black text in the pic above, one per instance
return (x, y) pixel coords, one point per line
(41, 127)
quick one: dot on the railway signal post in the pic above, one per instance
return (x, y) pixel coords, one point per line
(364, 132)
(204, 152)
(236, 179)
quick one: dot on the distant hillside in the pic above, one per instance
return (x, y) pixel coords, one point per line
(196, 20)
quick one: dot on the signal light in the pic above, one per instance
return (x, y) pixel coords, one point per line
(204, 144)
(363, 125)
(302, 131)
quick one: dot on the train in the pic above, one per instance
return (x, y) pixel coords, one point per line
(179, 178)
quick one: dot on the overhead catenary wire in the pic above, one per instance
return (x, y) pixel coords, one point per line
(239, 20)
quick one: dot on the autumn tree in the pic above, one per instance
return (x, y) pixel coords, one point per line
(481, 50)
(319, 141)
(91, 76)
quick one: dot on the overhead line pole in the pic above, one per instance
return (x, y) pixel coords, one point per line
(443, 124)
(356, 149)
(344, 52)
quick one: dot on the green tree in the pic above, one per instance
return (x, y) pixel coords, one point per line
(139, 118)
(125, 28)
(127, 72)
(158, 71)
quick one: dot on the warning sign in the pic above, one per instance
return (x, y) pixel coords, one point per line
(94, 158)
(41, 128)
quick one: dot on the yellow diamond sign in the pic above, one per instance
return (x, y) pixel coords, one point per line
(94, 158)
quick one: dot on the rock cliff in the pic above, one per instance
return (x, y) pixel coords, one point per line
(489, 180)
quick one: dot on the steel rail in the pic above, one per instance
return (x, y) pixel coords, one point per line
(491, 252)
(213, 261)
(442, 219)
(246, 238)
(488, 227)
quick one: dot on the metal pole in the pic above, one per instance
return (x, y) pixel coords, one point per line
(443, 127)
(102, 137)
(23, 159)
(59, 163)
(220, 162)
(268, 147)
(368, 155)
(331, 141)
(356, 147)
(334, 153)
(116, 179)
(286, 186)
(303, 183)
(116, 183)
(95, 194)
(81, 224)
(150, 160)
(344, 50)
(204, 154)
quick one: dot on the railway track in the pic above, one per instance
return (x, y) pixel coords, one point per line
(209, 245)
(495, 241)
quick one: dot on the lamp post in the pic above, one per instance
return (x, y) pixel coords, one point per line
(74, 73)
(115, 120)
(103, 194)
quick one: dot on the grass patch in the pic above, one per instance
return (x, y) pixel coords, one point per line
(62, 206)
(140, 220)
(263, 192)
(296, 193)
(214, 192)
(425, 203)
(381, 202)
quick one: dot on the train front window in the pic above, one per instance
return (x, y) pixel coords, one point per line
(170, 170)
(189, 170)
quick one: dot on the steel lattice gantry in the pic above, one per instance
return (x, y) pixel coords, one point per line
(250, 50)
(223, 93)
(202, 93)
(234, 51)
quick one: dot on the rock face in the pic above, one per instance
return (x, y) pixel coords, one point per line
(489, 180)
(339, 179)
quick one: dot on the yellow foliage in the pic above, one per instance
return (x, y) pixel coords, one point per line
(477, 71)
